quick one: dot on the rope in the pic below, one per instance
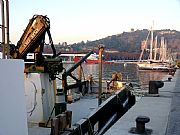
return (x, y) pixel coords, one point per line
(51, 43)
(50, 116)
(135, 92)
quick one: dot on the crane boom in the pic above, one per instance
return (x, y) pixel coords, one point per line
(32, 41)
(33, 38)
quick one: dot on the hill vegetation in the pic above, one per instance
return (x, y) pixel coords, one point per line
(128, 44)
(131, 41)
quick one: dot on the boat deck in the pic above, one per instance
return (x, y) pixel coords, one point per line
(81, 109)
(163, 111)
(39, 131)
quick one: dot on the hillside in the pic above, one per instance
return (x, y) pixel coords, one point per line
(131, 41)
(126, 45)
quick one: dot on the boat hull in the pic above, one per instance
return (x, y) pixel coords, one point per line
(155, 67)
(90, 61)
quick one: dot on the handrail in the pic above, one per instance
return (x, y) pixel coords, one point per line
(105, 115)
(68, 72)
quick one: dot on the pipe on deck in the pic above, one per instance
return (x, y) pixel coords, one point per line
(3, 30)
(6, 51)
(101, 49)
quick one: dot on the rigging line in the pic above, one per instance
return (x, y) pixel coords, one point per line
(140, 58)
(51, 43)
(50, 116)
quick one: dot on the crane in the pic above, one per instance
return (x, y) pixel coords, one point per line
(32, 41)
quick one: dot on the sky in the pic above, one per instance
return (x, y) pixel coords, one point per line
(74, 21)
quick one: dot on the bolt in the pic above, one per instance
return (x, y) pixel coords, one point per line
(140, 123)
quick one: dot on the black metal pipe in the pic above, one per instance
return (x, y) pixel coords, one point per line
(7, 29)
(108, 124)
(3, 29)
(106, 114)
(68, 72)
(101, 48)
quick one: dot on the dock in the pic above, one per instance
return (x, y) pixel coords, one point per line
(163, 111)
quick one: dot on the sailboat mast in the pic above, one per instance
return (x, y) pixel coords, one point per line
(162, 49)
(151, 45)
(165, 50)
(144, 47)
(155, 48)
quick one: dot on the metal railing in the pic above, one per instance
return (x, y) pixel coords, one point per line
(105, 116)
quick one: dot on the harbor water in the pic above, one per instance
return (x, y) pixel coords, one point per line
(129, 71)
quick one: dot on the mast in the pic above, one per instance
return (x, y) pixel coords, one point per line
(151, 45)
(155, 48)
(162, 49)
(165, 50)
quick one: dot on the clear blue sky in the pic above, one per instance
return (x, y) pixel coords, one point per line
(77, 20)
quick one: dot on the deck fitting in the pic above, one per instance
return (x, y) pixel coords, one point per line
(140, 126)
(140, 123)
(169, 79)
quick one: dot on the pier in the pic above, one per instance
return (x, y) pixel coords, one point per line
(163, 111)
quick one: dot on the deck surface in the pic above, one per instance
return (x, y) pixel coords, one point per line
(163, 111)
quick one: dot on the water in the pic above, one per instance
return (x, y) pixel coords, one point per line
(129, 72)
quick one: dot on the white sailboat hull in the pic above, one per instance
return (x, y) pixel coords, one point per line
(154, 66)
(159, 62)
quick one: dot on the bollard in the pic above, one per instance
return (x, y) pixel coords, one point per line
(169, 79)
(54, 126)
(140, 124)
(60, 105)
(154, 86)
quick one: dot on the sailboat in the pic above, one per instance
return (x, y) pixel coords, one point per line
(158, 57)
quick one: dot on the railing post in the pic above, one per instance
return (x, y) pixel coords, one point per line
(101, 49)
(79, 78)
(79, 72)
(64, 85)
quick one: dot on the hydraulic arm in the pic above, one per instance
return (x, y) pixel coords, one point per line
(33, 38)
(32, 41)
